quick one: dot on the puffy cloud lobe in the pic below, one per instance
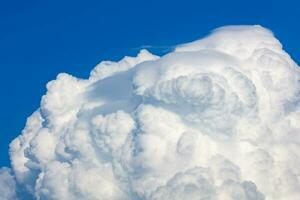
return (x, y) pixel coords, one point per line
(8, 185)
(217, 118)
(219, 182)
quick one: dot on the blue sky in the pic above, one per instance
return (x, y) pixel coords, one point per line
(39, 39)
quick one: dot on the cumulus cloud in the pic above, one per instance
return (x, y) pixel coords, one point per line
(217, 118)
(8, 185)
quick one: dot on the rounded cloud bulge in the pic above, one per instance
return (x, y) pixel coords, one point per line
(215, 119)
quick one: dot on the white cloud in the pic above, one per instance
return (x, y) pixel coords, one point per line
(217, 118)
(8, 185)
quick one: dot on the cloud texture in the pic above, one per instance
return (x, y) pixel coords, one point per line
(217, 118)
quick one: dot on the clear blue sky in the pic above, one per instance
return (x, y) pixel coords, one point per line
(39, 39)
